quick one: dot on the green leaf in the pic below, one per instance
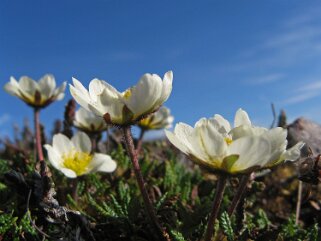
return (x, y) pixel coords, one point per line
(177, 236)
(225, 224)
(314, 233)
(262, 219)
(161, 201)
(103, 209)
(120, 210)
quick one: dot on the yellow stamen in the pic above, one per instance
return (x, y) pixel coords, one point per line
(127, 93)
(145, 122)
(228, 140)
(77, 161)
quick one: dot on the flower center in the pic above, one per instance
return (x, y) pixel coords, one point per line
(127, 93)
(228, 140)
(77, 161)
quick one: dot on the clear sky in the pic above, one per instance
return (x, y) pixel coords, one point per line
(224, 54)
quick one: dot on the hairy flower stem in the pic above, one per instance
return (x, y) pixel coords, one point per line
(221, 184)
(93, 139)
(38, 143)
(74, 189)
(239, 194)
(298, 203)
(140, 141)
(148, 204)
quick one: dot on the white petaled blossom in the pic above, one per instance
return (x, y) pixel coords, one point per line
(276, 136)
(89, 122)
(73, 156)
(214, 145)
(124, 108)
(159, 120)
(36, 94)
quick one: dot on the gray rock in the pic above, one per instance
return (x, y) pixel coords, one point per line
(307, 131)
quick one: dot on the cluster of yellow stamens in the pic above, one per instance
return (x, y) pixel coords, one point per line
(77, 161)
(128, 93)
(228, 140)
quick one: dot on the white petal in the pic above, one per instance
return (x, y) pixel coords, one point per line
(11, 89)
(252, 151)
(14, 82)
(102, 163)
(170, 121)
(81, 98)
(223, 123)
(277, 138)
(98, 123)
(241, 118)
(81, 116)
(47, 85)
(257, 131)
(81, 142)
(28, 85)
(89, 121)
(159, 120)
(241, 131)
(110, 102)
(68, 172)
(278, 142)
(144, 95)
(294, 152)
(60, 96)
(245, 130)
(167, 87)
(200, 122)
(212, 141)
(62, 144)
(59, 92)
(78, 85)
(161, 114)
(96, 87)
(177, 142)
(53, 156)
(191, 139)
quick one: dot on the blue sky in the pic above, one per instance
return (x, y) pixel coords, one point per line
(224, 54)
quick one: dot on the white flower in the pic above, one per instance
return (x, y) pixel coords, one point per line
(36, 94)
(127, 107)
(214, 145)
(276, 136)
(88, 121)
(73, 157)
(158, 120)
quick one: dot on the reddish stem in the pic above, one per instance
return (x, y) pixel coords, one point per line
(38, 143)
(221, 183)
(148, 204)
(140, 141)
(239, 194)
(93, 138)
(74, 189)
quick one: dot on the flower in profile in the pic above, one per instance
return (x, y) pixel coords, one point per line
(36, 94)
(159, 120)
(73, 157)
(89, 122)
(277, 137)
(128, 107)
(214, 145)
